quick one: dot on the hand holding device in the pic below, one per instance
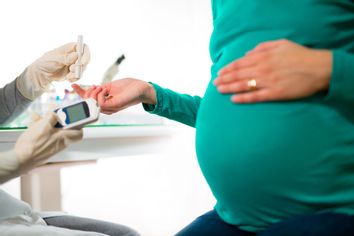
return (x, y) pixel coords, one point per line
(78, 114)
(56, 65)
(42, 140)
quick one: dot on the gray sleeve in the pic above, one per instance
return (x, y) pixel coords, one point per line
(9, 167)
(12, 103)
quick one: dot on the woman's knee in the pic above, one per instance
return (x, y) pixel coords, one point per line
(324, 224)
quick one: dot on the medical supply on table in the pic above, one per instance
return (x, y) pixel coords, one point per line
(78, 114)
(79, 51)
(112, 70)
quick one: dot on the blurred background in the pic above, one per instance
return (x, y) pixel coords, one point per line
(165, 42)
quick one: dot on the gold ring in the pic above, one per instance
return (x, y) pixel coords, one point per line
(252, 84)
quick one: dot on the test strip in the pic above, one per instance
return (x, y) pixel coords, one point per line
(80, 51)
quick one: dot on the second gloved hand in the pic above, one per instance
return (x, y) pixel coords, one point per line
(41, 140)
(55, 65)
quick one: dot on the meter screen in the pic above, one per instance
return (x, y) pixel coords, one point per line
(76, 113)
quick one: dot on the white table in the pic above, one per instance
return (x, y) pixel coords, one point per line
(41, 187)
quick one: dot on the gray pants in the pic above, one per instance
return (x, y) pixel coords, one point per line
(85, 224)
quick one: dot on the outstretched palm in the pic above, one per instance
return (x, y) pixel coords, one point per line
(117, 95)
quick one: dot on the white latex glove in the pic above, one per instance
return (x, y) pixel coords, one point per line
(39, 142)
(55, 65)
(42, 140)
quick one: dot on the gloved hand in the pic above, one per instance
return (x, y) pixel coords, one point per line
(41, 140)
(55, 65)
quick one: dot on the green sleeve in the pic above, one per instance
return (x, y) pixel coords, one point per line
(341, 87)
(175, 106)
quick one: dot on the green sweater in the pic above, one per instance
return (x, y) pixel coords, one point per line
(269, 161)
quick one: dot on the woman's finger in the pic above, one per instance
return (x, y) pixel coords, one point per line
(104, 99)
(241, 86)
(89, 91)
(95, 93)
(79, 90)
(261, 95)
(235, 75)
(246, 61)
(107, 112)
(106, 102)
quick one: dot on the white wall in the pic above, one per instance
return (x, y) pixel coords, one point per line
(165, 41)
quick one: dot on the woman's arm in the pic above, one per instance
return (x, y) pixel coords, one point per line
(341, 86)
(175, 106)
(123, 93)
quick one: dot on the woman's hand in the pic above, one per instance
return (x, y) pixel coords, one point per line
(119, 94)
(274, 71)
(85, 93)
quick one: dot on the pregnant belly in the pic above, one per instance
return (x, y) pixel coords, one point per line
(256, 156)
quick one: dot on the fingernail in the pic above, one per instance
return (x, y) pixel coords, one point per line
(221, 89)
(234, 99)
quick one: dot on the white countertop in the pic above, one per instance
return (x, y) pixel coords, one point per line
(105, 141)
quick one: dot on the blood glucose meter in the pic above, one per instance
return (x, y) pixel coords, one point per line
(78, 114)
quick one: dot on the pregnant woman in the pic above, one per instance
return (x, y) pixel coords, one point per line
(275, 128)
